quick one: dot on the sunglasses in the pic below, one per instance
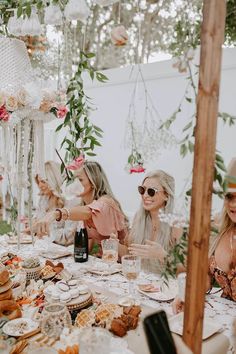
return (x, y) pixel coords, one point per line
(230, 196)
(150, 191)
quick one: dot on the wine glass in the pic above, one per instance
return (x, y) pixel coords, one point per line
(181, 278)
(110, 250)
(131, 266)
(94, 340)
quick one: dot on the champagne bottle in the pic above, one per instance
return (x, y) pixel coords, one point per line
(81, 245)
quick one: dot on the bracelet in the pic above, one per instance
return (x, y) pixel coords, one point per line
(67, 213)
(60, 215)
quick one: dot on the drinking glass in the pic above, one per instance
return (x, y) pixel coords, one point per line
(94, 341)
(131, 266)
(181, 278)
(55, 317)
(110, 250)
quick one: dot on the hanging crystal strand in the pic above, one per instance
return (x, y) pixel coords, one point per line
(20, 180)
(84, 38)
(58, 65)
(119, 12)
(30, 184)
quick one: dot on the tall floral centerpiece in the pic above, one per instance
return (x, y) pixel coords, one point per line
(24, 107)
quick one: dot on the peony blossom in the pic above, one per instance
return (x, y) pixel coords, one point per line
(62, 111)
(4, 115)
(137, 169)
(119, 36)
(76, 163)
(11, 103)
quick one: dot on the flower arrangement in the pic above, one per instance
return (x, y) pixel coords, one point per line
(30, 96)
(135, 162)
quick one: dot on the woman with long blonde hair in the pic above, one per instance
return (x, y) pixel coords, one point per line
(222, 251)
(222, 261)
(99, 209)
(150, 237)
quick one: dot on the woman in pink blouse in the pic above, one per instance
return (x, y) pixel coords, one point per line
(100, 211)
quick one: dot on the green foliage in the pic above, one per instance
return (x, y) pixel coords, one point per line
(4, 227)
(227, 118)
(82, 135)
(176, 257)
(230, 22)
(135, 158)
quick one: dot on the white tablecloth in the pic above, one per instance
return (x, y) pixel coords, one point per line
(222, 311)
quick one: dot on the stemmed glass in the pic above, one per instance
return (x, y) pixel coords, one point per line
(131, 266)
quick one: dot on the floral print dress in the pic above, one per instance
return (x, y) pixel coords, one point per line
(227, 281)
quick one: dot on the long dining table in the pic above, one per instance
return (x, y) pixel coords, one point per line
(112, 287)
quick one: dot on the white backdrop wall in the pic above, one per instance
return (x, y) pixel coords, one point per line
(166, 87)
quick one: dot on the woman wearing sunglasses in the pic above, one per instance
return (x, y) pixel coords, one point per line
(151, 238)
(222, 253)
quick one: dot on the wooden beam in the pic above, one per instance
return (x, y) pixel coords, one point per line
(212, 38)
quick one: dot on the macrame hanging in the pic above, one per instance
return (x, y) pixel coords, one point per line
(22, 98)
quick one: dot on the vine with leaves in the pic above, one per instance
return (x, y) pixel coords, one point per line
(177, 255)
(82, 136)
(187, 142)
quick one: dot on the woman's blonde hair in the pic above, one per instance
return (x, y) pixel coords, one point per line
(226, 225)
(54, 179)
(142, 225)
(99, 181)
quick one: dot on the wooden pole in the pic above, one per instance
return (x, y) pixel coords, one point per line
(212, 37)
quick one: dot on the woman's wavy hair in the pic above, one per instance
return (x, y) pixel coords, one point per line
(142, 224)
(99, 181)
(54, 179)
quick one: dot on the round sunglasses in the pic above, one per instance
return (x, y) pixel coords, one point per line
(150, 191)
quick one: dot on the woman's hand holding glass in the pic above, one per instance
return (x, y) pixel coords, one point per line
(110, 250)
(151, 250)
(41, 227)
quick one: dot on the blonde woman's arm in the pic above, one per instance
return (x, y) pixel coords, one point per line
(74, 214)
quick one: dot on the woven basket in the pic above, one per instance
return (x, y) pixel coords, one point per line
(33, 273)
(15, 67)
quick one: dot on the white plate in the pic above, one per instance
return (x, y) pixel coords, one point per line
(55, 255)
(210, 327)
(19, 327)
(24, 239)
(104, 269)
(169, 293)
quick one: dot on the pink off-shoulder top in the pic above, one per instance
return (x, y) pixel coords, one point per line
(107, 218)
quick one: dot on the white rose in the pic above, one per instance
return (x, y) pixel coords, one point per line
(22, 97)
(11, 103)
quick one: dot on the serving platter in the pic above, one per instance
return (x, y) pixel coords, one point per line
(19, 327)
(210, 327)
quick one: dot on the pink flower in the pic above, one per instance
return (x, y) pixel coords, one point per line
(76, 163)
(4, 115)
(137, 169)
(62, 111)
(23, 219)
